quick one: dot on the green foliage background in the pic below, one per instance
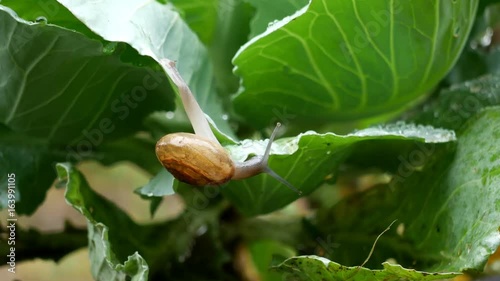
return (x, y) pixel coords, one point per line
(411, 85)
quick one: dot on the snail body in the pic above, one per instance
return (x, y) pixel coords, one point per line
(199, 159)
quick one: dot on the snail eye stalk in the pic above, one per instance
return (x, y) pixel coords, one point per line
(268, 170)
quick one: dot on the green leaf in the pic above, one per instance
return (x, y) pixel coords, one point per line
(231, 33)
(448, 212)
(105, 224)
(103, 263)
(155, 30)
(29, 162)
(263, 251)
(318, 268)
(137, 150)
(482, 53)
(170, 248)
(201, 16)
(223, 26)
(67, 111)
(455, 105)
(345, 60)
(160, 185)
(49, 11)
(84, 98)
(307, 159)
(270, 11)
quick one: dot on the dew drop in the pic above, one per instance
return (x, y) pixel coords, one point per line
(225, 117)
(41, 20)
(485, 40)
(109, 48)
(400, 230)
(170, 115)
(270, 24)
(201, 230)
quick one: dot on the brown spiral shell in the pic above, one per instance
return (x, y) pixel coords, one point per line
(194, 159)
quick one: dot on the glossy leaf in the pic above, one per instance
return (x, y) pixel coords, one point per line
(345, 60)
(318, 268)
(448, 212)
(307, 159)
(321, 154)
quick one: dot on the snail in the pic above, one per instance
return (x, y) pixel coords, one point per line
(199, 159)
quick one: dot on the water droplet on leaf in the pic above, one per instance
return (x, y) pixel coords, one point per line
(170, 115)
(272, 23)
(41, 20)
(109, 48)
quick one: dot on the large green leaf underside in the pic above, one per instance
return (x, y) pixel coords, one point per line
(306, 160)
(60, 86)
(338, 60)
(448, 213)
(317, 268)
(30, 160)
(158, 31)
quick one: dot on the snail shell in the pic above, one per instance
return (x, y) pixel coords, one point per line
(194, 159)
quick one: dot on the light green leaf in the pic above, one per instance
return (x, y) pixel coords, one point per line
(104, 264)
(307, 159)
(104, 247)
(155, 30)
(318, 268)
(160, 185)
(345, 60)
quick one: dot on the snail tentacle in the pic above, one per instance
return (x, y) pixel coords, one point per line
(259, 164)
